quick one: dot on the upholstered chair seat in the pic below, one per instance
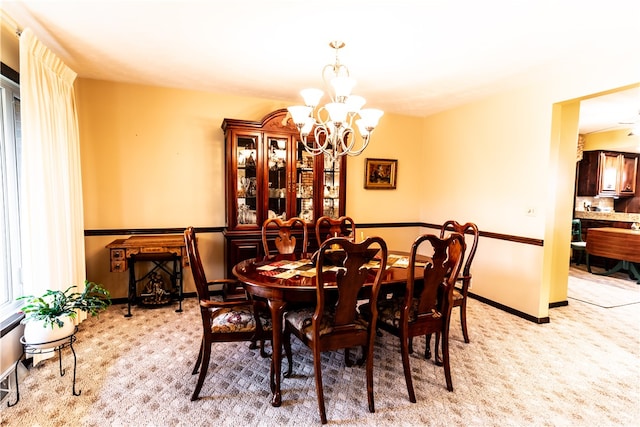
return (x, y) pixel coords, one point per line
(238, 318)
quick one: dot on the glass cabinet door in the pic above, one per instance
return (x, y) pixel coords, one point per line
(331, 188)
(277, 177)
(304, 183)
(246, 179)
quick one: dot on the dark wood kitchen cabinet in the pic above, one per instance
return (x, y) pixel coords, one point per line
(607, 174)
(270, 174)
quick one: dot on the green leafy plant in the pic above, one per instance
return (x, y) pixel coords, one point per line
(53, 304)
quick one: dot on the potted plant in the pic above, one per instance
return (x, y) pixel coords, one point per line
(49, 318)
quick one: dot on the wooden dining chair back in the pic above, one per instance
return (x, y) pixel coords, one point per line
(233, 319)
(464, 278)
(327, 227)
(425, 309)
(342, 270)
(285, 242)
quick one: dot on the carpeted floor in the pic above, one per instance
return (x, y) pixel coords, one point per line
(581, 369)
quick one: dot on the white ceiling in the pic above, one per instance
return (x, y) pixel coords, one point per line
(413, 57)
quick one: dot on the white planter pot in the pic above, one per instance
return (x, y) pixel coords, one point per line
(39, 335)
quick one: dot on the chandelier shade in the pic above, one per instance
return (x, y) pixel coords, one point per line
(328, 129)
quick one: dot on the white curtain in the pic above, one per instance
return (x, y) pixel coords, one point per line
(51, 201)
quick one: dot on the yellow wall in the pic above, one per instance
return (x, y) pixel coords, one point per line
(485, 162)
(494, 160)
(616, 140)
(154, 158)
(9, 42)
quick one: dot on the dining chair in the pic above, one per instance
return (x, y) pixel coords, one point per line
(229, 320)
(327, 227)
(424, 309)
(285, 241)
(578, 245)
(460, 292)
(342, 269)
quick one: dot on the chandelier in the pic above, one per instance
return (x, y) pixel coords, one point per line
(331, 125)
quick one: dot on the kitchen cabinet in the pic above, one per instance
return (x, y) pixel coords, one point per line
(270, 174)
(628, 172)
(607, 174)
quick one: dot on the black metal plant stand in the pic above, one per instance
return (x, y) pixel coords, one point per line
(34, 348)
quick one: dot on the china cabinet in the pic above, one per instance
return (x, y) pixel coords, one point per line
(607, 174)
(270, 174)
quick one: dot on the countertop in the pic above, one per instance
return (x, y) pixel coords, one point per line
(608, 216)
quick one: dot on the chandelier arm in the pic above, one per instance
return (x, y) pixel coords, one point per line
(319, 131)
(310, 149)
(343, 135)
(357, 152)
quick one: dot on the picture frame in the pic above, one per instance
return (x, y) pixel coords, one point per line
(380, 174)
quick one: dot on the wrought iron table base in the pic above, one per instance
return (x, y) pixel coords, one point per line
(159, 261)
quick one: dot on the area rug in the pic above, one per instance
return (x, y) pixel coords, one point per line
(604, 291)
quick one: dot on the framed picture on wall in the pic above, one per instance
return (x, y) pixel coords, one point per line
(380, 174)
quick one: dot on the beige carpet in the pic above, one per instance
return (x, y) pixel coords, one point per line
(581, 369)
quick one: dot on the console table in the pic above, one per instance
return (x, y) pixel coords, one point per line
(166, 252)
(618, 243)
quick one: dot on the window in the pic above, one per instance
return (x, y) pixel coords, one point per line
(10, 149)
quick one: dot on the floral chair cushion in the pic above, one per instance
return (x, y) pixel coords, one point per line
(237, 319)
(302, 320)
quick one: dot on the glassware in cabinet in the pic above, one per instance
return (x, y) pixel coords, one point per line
(331, 188)
(305, 183)
(277, 173)
(246, 179)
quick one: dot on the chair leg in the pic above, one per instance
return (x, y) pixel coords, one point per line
(369, 372)
(286, 342)
(206, 354)
(463, 320)
(427, 346)
(363, 358)
(347, 360)
(445, 357)
(317, 368)
(404, 347)
(197, 367)
(263, 353)
(437, 359)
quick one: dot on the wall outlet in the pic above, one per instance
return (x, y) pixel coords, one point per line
(531, 211)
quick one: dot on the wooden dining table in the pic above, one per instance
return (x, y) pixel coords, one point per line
(289, 279)
(621, 244)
